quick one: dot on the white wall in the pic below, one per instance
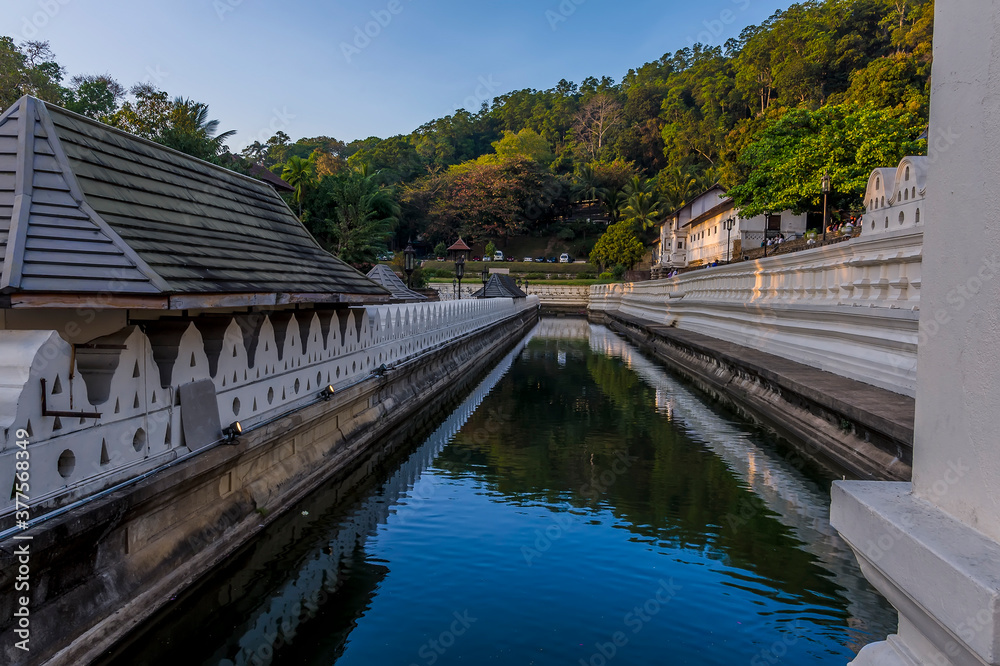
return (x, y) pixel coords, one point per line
(850, 308)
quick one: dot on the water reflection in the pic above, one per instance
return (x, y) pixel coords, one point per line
(578, 484)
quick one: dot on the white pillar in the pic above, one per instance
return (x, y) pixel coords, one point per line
(933, 547)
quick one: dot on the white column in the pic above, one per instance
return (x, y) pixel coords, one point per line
(933, 547)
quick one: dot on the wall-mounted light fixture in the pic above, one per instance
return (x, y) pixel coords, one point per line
(232, 432)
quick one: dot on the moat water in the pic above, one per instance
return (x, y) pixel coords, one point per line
(581, 506)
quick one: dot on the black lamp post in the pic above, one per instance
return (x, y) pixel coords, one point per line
(460, 273)
(454, 286)
(409, 263)
(767, 217)
(485, 275)
(729, 224)
(826, 190)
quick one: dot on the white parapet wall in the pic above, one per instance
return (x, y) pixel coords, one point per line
(262, 365)
(851, 308)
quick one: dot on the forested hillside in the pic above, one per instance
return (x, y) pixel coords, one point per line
(840, 85)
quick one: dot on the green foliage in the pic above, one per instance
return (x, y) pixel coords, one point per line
(300, 174)
(189, 130)
(440, 250)
(618, 271)
(618, 246)
(785, 164)
(606, 276)
(490, 249)
(566, 234)
(352, 214)
(526, 143)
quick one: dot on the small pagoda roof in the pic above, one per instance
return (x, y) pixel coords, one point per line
(386, 277)
(459, 246)
(89, 213)
(500, 286)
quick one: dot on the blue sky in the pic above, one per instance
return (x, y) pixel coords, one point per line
(373, 67)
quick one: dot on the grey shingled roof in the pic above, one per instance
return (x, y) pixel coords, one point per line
(86, 208)
(386, 277)
(500, 286)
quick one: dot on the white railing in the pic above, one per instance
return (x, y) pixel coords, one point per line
(850, 308)
(262, 365)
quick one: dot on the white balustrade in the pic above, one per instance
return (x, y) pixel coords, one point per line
(850, 308)
(262, 365)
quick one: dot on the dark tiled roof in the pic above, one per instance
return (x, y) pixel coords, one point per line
(85, 208)
(386, 277)
(500, 286)
(260, 173)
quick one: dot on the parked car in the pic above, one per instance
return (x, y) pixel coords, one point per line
(540, 260)
(498, 256)
(552, 260)
(511, 258)
(479, 259)
(565, 259)
(528, 259)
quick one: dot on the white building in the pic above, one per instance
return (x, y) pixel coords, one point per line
(696, 235)
(895, 198)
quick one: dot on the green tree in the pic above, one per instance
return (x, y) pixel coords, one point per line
(358, 215)
(190, 131)
(491, 249)
(618, 245)
(300, 174)
(440, 250)
(785, 164)
(94, 95)
(644, 210)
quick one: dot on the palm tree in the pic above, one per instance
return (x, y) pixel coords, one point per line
(365, 214)
(638, 185)
(613, 201)
(190, 131)
(586, 187)
(644, 209)
(299, 173)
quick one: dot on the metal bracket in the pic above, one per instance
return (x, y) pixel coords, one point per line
(47, 412)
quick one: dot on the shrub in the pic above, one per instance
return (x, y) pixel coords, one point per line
(535, 276)
(586, 276)
(606, 277)
(618, 271)
(566, 234)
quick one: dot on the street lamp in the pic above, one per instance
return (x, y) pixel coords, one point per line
(826, 190)
(460, 273)
(767, 218)
(485, 275)
(409, 263)
(729, 224)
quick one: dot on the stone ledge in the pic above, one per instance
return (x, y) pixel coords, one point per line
(885, 411)
(941, 575)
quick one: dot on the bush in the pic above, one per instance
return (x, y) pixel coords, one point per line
(585, 276)
(440, 250)
(618, 271)
(606, 277)
(566, 234)
(535, 276)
